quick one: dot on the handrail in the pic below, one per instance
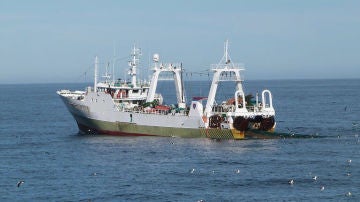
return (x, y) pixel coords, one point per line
(153, 111)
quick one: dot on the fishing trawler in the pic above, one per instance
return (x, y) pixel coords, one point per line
(136, 109)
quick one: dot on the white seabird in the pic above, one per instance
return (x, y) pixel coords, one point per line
(20, 183)
(291, 182)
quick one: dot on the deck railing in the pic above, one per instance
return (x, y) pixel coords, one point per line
(154, 111)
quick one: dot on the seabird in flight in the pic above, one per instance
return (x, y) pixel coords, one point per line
(20, 183)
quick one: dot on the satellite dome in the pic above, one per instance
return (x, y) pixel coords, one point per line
(156, 57)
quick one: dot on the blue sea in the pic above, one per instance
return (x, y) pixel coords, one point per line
(40, 145)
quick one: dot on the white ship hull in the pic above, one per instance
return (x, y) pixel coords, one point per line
(97, 114)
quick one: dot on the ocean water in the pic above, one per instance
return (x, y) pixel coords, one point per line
(40, 145)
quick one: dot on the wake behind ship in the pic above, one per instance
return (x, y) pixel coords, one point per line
(135, 108)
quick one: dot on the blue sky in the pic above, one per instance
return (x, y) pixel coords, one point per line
(56, 41)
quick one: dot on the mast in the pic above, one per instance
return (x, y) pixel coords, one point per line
(226, 58)
(133, 64)
(107, 75)
(226, 52)
(182, 85)
(96, 73)
(113, 65)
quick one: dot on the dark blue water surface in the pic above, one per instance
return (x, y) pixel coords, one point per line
(40, 144)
